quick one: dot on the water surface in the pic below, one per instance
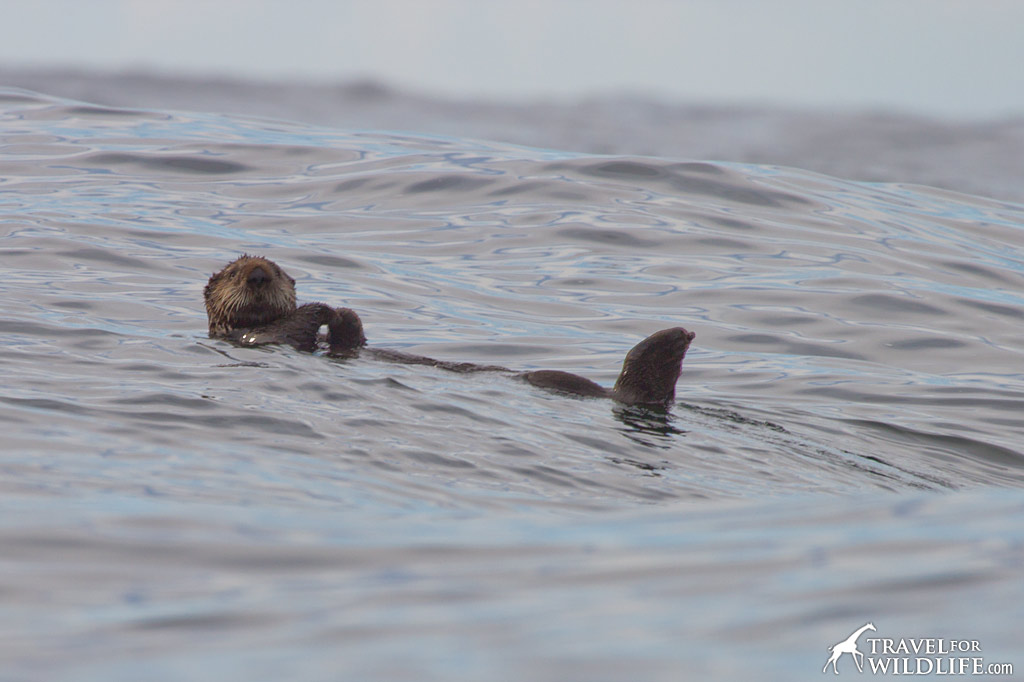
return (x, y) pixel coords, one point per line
(845, 446)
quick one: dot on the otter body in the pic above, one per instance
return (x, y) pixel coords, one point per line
(252, 302)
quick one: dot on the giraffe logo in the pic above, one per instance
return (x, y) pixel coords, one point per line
(848, 646)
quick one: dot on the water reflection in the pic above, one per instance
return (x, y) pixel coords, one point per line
(648, 425)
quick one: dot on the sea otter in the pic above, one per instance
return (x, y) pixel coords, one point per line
(252, 302)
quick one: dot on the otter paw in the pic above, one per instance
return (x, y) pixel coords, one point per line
(345, 331)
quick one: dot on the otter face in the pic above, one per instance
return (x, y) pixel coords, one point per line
(652, 367)
(249, 292)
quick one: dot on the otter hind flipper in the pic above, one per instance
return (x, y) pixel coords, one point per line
(652, 367)
(649, 372)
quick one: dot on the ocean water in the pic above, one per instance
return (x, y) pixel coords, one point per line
(846, 445)
(975, 156)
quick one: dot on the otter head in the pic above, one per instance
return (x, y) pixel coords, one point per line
(652, 367)
(248, 293)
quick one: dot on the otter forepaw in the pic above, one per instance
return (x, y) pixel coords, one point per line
(345, 331)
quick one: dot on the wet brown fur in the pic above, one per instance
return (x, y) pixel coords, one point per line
(249, 293)
(252, 301)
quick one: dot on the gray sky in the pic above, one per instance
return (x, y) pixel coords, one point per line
(941, 57)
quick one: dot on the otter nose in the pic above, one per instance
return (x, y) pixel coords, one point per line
(258, 276)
